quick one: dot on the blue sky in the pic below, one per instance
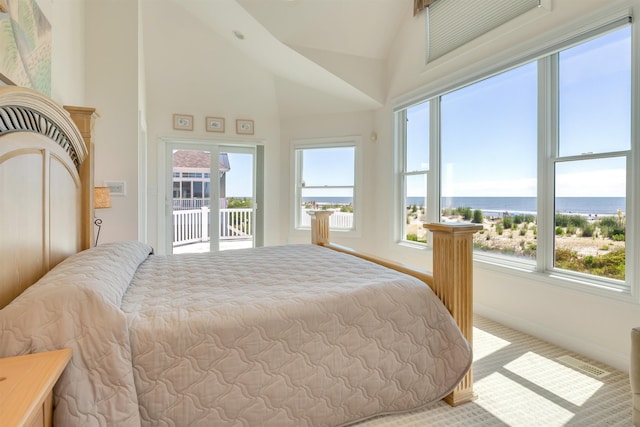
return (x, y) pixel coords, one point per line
(332, 166)
(489, 129)
(240, 176)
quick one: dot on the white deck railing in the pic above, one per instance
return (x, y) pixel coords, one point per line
(190, 226)
(339, 220)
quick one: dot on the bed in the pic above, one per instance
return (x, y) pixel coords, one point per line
(313, 335)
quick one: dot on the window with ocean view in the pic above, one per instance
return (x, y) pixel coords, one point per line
(539, 154)
(325, 180)
(594, 141)
(488, 168)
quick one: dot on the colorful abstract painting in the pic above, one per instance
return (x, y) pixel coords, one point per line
(25, 45)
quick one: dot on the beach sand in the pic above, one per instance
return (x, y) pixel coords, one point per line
(513, 242)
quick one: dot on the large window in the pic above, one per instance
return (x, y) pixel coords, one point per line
(539, 154)
(326, 180)
(593, 148)
(489, 150)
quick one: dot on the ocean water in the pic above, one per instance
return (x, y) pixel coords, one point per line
(566, 205)
(500, 205)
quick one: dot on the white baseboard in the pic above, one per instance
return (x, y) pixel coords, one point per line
(556, 337)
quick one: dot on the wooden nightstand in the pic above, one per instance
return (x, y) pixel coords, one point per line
(26, 384)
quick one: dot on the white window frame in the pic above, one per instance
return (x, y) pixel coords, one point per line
(543, 267)
(296, 188)
(432, 173)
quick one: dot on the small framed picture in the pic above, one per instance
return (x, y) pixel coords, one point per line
(116, 188)
(215, 124)
(244, 127)
(182, 122)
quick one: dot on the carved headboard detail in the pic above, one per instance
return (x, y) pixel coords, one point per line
(15, 118)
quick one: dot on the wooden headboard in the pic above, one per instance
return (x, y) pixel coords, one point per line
(46, 186)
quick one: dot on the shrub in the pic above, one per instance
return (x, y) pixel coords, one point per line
(477, 217)
(610, 265)
(566, 220)
(565, 255)
(499, 228)
(609, 222)
(559, 231)
(412, 237)
(588, 230)
(562, 220)
(507, 221)
(464, 212)
(238, 202)
(613, 228)
(524, 218)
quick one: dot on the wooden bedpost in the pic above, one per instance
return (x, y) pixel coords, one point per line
(84, 119)
(320, 234)
(453, 283)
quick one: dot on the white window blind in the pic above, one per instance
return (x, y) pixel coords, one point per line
(452, 23)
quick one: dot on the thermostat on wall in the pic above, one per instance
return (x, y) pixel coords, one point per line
(116, 188)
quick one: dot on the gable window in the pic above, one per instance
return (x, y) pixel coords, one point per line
(325, 179)
(540, 154)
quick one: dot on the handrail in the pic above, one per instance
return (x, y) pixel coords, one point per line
(192, 225)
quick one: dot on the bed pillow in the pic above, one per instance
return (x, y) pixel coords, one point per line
(107, 269)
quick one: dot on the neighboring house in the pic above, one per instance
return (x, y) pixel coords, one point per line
(192, 178)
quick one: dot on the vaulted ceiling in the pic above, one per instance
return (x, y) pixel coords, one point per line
(332, 53)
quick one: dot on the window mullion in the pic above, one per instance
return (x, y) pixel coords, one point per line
(433, 183)
(401, 165)
(547, 150)
(633, 174)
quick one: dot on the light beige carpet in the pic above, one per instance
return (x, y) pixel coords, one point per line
(520, 381)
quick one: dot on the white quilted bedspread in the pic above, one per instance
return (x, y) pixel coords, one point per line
(293, 335)
(282, 336)
(77, 305)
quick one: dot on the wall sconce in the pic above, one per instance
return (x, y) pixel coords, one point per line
(101, 200)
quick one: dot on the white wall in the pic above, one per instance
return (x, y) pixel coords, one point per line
(68, 50)
(594, 325)
(180, 54)
(111, 30)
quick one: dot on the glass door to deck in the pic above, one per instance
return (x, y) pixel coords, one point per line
(213, 202)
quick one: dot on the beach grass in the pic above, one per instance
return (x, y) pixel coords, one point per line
(583, 243)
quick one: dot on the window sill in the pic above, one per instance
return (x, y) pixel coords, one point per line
(577, 283)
